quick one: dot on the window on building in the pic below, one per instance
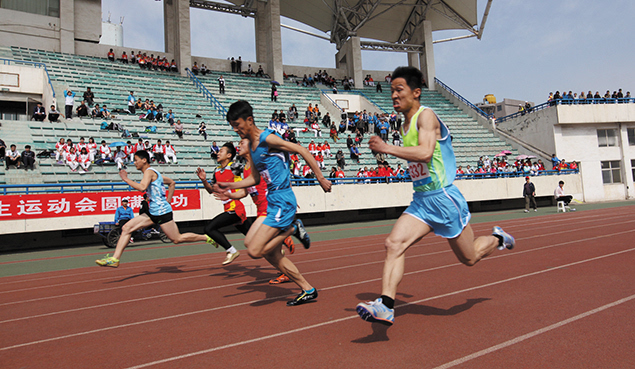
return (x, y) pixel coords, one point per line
(499, 108)
(43, 7)
(607, 137)
(633, 169)
(631, 136)
(611, 172)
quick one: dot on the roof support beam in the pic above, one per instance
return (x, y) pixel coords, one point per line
(225, 8)
(388, 46)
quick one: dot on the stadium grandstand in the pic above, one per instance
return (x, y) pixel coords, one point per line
(39, 65)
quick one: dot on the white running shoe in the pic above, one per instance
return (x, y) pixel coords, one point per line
(376, 311)
(508, 240)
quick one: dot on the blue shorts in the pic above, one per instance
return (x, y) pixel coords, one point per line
(280, 209)
(444, 210)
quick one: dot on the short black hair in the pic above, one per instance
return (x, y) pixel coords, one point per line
(239, 109)
(230, 147)
(561, 182)
(27, 147)
(412, 75)
(142, 154)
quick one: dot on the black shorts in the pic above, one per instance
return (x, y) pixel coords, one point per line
(161, 219)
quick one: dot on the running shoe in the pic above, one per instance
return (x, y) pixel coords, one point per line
(282, 278)
(507, 241)
(231, 257)
(108, 261)
(301, 233)
(209, 240)
(376, 311)
(288, 242)
(303, 297)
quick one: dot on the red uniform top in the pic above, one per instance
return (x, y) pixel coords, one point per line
(232, 172)
(312, 147)
(258, 194)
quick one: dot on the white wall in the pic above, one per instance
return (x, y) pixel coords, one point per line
(31, 79)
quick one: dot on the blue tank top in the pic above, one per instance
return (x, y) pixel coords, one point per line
(272, 166)
(156, 196)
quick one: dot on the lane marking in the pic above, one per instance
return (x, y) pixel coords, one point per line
(298, 329)
(532, 334)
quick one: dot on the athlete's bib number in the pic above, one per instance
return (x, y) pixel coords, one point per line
(264, 174)
(419, 173)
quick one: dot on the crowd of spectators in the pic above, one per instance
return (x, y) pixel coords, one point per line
(146, 62)
(522, 166)
(13, 157)
(589, 98)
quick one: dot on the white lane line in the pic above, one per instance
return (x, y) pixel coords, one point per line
(298, 329)
(241, 343)
(532, 334)
(314, 272)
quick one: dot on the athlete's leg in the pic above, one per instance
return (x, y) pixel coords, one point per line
(469, 250)
(244, 227)
(221, 220)
(286, 266)
(172, 231)
(136, 223)
(262, 239)
(407, 231)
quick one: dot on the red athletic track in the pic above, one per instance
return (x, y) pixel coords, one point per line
(562, 299)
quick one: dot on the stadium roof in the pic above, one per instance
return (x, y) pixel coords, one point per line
(384, 20)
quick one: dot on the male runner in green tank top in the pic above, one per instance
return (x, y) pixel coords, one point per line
(437, 204)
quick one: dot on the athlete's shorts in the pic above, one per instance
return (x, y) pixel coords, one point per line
(281, 209)
(161, 219)
(444, 210)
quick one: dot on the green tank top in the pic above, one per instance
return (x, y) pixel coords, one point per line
(441, 170)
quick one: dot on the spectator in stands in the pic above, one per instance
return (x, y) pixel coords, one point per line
(131, 103)
(13, 157)
(170, 152)
(221, 85)
(315, 127)
(54, 115)
(82, 110)
(249, 72)
(159, 151)
(214, 149)
(339, 158)
(239, 65)
(333, 133)
(195, 69)
(529, 193)
(378, 88)
(133, 57)
(69, 97)
(326, 121)
(178, 128)
(71, 159)
(173, 67)
(554, 162)
(123, 214)
(39, 113)
(89, 96)
(274, 93)
(169, 117)
(60, 150)
(129, 149)
(28, 157)
(326, 149)
(120, 158)
(3, 149)
(560, 195)
(354, 153)
(111, 55)
(105, 113)
(202, 130)
(84, 160)
(204, 70)
(396, 138)
(104, 151)
(260, 72)
(92, 148)
(349, 142)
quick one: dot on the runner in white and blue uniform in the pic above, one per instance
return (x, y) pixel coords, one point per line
(153, 183)
(270, 162)
(437, 205)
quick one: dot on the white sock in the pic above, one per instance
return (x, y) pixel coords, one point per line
(232, 250)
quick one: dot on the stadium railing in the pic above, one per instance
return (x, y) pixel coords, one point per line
(27, 189)
(358, 92)
(548, 104)
(37, 65)
(326, 94)
(462, 99)
(212, 100)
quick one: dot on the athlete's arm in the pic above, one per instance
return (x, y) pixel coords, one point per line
(428, 127)
(226, 195)
(148, 177)
(252, 180)
(278, 143)
(203, 177)
(171, 186)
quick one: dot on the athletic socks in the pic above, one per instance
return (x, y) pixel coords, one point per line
(390, 303)
(310, 291)
(232, 250)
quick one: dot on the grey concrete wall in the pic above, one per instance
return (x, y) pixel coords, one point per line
(29, 30)
(88, 20)
(535, 128)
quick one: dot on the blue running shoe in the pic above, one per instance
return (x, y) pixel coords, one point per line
(301, 233)
(508, 240)
(376, 311)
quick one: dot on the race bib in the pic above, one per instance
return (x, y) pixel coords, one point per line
(264, 174)
(419, 173)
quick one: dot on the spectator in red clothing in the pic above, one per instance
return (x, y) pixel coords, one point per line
(460, 170)
(124, 58)
(313, 148)
(320, 160)
(111, 55)
(340, 173)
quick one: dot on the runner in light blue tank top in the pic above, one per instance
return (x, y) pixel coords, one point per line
(437, 205)
(270, 163)
(156, 196)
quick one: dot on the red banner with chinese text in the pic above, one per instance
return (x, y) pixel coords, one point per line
(88, 203)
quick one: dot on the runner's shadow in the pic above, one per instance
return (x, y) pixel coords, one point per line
(260, 285)
(160, 270)
(380, 330)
